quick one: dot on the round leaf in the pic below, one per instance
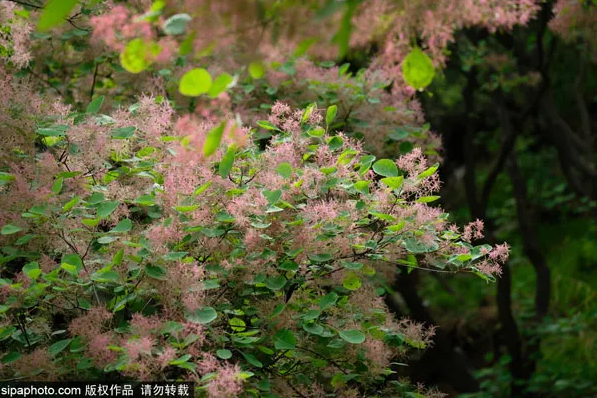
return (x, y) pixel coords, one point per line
(54, 13)
(195, 82)
(353, 336)
(221, 84)
(176, 24)
(203, 315)
(224, 354)
(256, 70)
(417, 69)
(351, 281)
(137, 55)
(386, 168)
(284, 340)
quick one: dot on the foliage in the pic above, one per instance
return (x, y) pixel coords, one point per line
(165, 258)
(175, 205)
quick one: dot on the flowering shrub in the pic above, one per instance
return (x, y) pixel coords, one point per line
(165, 239)
(125, 248)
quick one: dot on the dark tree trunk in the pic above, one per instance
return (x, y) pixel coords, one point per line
(449, 364)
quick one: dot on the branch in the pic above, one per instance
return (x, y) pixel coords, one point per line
(26, 4)
(585, 121)
(70, 19)
(507, 147)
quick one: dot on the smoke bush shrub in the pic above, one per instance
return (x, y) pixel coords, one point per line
(126, 249)
(146, 242)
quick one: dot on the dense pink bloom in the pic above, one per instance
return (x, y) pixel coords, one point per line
(473, 230)
(98, 348)
(500, 253)
(90, 324)
(138, 347)
(227, 384)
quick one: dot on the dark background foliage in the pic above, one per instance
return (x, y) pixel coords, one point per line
(521, 156)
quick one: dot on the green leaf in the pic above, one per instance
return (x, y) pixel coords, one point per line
(342, 37)
(220, 84)
(428, 199)
(272, 196)
(226, 163)
(313, 328)
(417, 69)
(155, 271)
(106, 276)
(288, 265)
(104, 240)
(54, 13)
(275, 283)
(285, 170)
(353, 336)
(321, 258)
(53, 131)
(57, 186)
(122, 133)
(393, 182)
(203, 315)
(176, 24)
(32, 270)
(186, 209)
(256, 70)
(284, 340)
(386, 168)
(251, 359)
(406, 147)
(213, 139)
(117, 259)
(311, 315)
(95, 105)
(351, 281)
(399, 134)
(124, 225)
(362, 187)
(317, 132)
(195, 82)
(25, 238)
(351, 265)
(10, 357)
(71, 263)
(328, 300)
(224, 354)
(10, 229)
(58, 347)
(237, 324)
(308, 111)
(138, 55)
(428, 172)
(277, 310)
(331, 114)
(71, 203)
(416, 246)
(181, 360)
(263, 385)
(264, 124)
(202, 188)
(96, 198)
(335, 142)
(106, 208)
(5, 178)
(91, 222)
